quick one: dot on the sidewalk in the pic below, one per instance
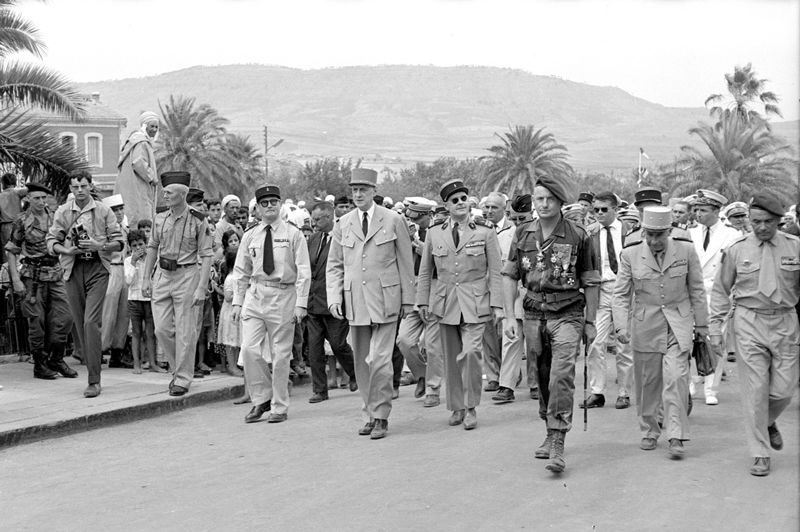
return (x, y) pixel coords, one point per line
(34, 409)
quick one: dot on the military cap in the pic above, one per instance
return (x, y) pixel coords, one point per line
(36, 187)
(175, 178)
(114, 201)
(521, 203)
(440, 209)
(194, 195)
(646, 194)
(737, 208)
(572, 208)
(418, 207)
(364, 176)
(767, 201)
(342, 200)
(586, 196)
(631, 213)
(451, 187)
(709, 197)
(656, 218)
(623, 204)
(268, 191)
(556, 187)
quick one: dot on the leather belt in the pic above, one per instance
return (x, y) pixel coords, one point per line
(769, 311)
(274, 284)
(552, 297)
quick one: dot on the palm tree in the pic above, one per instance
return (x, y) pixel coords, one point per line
(523, 157)
(25, 144)
(740, 158)
(193, 139)
(248, 169)
(746, 90)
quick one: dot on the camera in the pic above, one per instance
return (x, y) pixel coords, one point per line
(168, 264)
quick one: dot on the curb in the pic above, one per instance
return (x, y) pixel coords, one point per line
(114, 417)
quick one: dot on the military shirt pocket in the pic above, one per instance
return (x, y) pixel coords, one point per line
(481, 301)
(678, 271)
(439, 251)
(790, 273)
(384, 237)
(390, 288)
(348, 240)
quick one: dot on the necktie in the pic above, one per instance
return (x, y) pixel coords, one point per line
(455, 234)
(768, 275)
(268, 263)
(706, 238)
(612, 255)
(322, 241)
(365, 225)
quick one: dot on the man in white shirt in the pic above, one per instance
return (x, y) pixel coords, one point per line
(710, 238)
(608, 239)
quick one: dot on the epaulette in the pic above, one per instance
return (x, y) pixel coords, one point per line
(741, 238)
(197, 214)
(633, 238)
(249, 228)
(482, 223)
(437, 222)
(682, 238)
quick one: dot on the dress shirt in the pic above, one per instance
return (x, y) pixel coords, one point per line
(370, 215)
(616, 236)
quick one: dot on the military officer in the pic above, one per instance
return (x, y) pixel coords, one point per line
(554, 258)
(762, 271)
(663, 278)
(37, 277)
(466, 258)
(370, 276)
(181, 246)
(273, 276)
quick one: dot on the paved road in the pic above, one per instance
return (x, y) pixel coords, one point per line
(205, 469)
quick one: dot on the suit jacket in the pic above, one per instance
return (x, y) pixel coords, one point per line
(318, 293)
(469, 282)
(373, 276)
(670, 295)
(710, 258)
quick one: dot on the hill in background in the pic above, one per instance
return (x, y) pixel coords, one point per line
(419, 113)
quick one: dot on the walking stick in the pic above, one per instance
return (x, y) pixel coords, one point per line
(585, 378)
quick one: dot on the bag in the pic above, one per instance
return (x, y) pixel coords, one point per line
(701, 352)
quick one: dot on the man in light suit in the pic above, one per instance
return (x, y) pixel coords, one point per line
(370, 274)
(710, 238)
(466, 258)
(663, 275)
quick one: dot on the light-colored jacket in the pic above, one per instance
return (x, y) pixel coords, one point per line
(469, 283)
(671, 295)
(370, 277)
(721, 238)
(137, 179)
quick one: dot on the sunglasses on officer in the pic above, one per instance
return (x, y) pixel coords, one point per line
(269, 202)
(601, 209)
(455, 200)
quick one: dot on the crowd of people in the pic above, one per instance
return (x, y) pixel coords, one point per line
(460, 295)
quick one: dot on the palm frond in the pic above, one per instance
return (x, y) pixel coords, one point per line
(18, 34)
(30, 85)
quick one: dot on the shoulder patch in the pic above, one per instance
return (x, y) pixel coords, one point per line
(197, 214)
(434, 224)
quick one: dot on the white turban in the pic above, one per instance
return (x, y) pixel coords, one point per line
(229, 198)
(147, 117)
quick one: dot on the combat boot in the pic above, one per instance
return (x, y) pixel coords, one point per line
(544, 449)
(56, 361)
(40, 369)
(557, 463)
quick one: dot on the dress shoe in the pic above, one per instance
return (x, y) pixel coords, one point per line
(503, 395)
(353, 384)
(93, 390)
(242, 400)
(760, 467)
(367, 429)
(277, 418)
(431, 400)
(456, 418)
(471, 419)
(420, 391)
(381, 427)
(534, 394)
(257, 411)
(407, 379)
(775, 439)
(712, 400)
(40, 366)
(676, 449)
(177, 391)
(622, 402)
(491, 386)
(198, 373)
(647, 444)
(318, 398)
(395, 393)
(595, 400)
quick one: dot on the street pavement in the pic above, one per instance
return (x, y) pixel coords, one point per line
(205, 469)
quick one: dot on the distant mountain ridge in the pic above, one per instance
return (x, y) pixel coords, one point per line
(419, 113)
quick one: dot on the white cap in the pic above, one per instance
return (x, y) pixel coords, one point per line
(114, 201)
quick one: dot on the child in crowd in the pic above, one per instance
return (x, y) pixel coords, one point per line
(143, 328)
(228, 333)
(146, 226)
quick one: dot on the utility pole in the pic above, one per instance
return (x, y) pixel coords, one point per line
(266, 149)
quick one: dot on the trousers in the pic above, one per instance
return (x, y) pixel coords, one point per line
(372, 353)
(597, 353)
(323, 327)
(49, 315)
(492, 350)
(461, 345)
(114, 332)
(86, 290)
(415, 333)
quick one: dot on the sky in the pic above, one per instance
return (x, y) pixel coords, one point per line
(672, 52)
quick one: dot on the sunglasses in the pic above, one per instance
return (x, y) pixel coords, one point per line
(601, 209)
(269, 202)
(458, 199)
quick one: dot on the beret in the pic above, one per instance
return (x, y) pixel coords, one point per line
(36, 187)
(521, 203)
(557, 188)
(767, 201)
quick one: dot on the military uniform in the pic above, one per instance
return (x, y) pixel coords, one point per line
(764, 279)
(467, 289)
(45, 301)
(659, 301)
(268, 301)
(185, 238)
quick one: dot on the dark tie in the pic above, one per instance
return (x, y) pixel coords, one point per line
(705, 238)
(612, 255)
(269, 263)
(322, 241)
(455, 234)
(365, 225)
